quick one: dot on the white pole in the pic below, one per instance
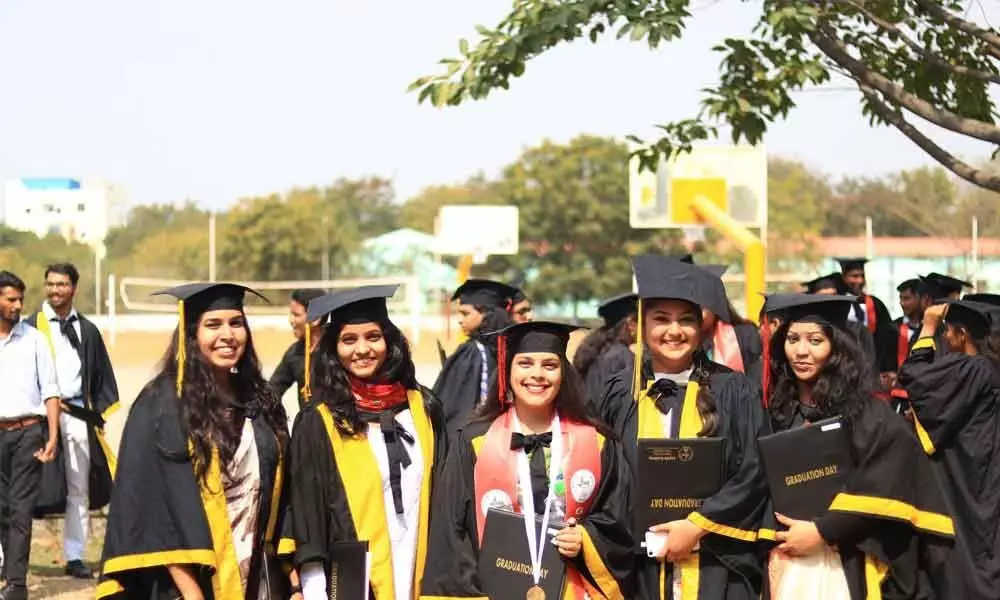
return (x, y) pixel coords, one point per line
(211, 246)
(869, 239)
(112, 309)
(97, 282)
(975, 252)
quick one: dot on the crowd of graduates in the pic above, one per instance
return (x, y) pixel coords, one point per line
(389, 490)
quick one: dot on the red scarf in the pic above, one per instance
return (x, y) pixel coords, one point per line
(726, 347)
(376, 397)
(870, 312)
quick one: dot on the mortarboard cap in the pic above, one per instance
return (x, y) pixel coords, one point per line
(714, 270)
(532, 336)
(617, 308)
(940, 286)
(913, 285)
(485, 292)
(975, 317)
(851, 263)
(662, 277)
(365, 304)
(194, 300)
(992, 299)
(832, 281)
(804, 307)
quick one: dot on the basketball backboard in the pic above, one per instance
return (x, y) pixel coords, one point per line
(479, 231)
(734, 178)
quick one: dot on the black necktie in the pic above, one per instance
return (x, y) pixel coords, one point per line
(665, 394)
(394, 436)
(534, 446)
(67, 329)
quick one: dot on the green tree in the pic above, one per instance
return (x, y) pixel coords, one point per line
(908, 58)
(574, 234)
(367, 203)
(147, 220)
(27, 256)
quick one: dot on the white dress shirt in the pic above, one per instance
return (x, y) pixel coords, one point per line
(27, 372)
(69, 368)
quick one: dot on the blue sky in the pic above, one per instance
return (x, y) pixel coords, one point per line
(222, 99)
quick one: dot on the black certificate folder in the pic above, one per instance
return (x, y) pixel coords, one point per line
(806, 467)
(350, 566)
(505, 561)
(675, 477)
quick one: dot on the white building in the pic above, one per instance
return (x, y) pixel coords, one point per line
(80, 210)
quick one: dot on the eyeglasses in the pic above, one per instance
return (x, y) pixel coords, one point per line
(58, 284)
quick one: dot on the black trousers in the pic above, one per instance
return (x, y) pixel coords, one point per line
(20, 475)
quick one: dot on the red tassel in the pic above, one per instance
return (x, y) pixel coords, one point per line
(509, 307)
(765, 378)
(502, 369)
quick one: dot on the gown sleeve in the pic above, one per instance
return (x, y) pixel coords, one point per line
(750, 346)
(615, 400)
(943, 392)
(156, 517)
(608, 553)
(453, 534)
(105, 386)
(458, 385)
(736, 510)
(310, 467)
(283, 376)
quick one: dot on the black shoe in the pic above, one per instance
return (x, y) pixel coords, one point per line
(76, 568)
(14, 592)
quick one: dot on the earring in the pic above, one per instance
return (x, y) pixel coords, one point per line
(234, 370)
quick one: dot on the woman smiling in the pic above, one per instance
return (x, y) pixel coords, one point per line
(886, 533)
(363, 453)
(711, 553)
(533, 449)
(198, 488)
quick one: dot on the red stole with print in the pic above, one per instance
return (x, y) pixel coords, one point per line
(870, 312)
(726, 347)
(496, 477)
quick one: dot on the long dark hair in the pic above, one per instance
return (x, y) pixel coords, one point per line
(571, 400)
(842, 387)
(331, 382)
(702, 370)
(205, 409)
(598, 341)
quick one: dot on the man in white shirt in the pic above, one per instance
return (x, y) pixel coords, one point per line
(30, 401)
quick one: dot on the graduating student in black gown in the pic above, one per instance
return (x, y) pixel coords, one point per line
(685, 395)
(955, 400)
(729, 339)
(607, 349)
(483, 309)
(873, 314)
(196, 506)
(887, 533)
(535, 387)
(292, 368)
(365, 452)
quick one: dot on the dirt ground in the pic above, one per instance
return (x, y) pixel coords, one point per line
(134, 356)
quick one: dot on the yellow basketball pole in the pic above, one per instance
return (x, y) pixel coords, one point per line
(754, 255)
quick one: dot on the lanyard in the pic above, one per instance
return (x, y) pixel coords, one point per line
(536, 543)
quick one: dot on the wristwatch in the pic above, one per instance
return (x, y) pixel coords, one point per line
(295, 589)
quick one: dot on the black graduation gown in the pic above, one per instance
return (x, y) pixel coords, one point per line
(336, 481)
(455, 533)
(100, 395)
(955, 400)
(161, 515)
(291, 370)
(728, 565)
(890, 522)
(459, 384)
(884, 336)
(615, 358)
(748, 338)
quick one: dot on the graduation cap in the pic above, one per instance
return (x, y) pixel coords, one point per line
(615, 309)
(485, 292)
(848, 264)
(685, 257)
(912, 285)
(974, 317)
(940, 286)
(992, 299)
(811, 307)
(834, 281)
(365, 304)
(533, 336)
(196, 299)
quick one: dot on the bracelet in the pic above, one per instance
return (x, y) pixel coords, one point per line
(295, 589)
